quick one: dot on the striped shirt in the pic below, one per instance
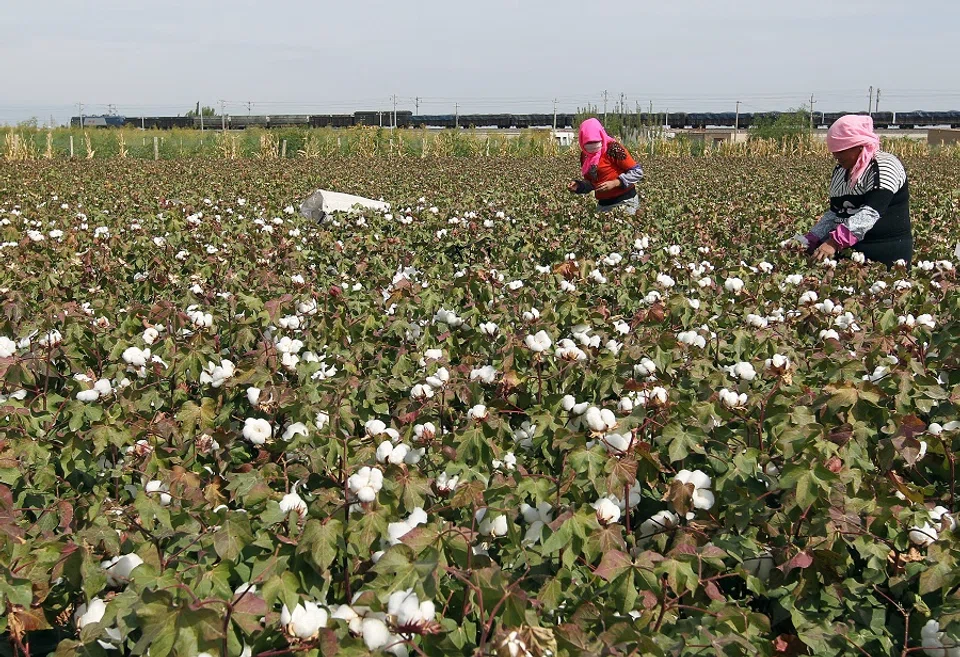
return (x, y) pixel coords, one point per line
(875, 209)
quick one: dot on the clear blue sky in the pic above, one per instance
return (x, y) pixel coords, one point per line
(293, 56)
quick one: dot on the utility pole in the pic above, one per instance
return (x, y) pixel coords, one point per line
(249, 105)
(456, 115)
(223, 117)
(394, 111)
(554, 114)
(870, 102)
(811, 115)
(736, 121)
(200, 112)
(604, 105)
(877, 106)
(621, 109)
(416, 102)
(80, 112)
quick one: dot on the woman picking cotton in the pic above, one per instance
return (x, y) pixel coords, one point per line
(869, 198)
(608, 170)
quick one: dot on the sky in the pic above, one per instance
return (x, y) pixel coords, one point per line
(319, 56)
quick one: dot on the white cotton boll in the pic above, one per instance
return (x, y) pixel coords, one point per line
(934, 429)
(808, 298)
(531, 315)
(665, 281)
(294, 430)
(440, 378)
(794, 279)
(778, 362)
(486, 374)
(568, 402)
(477, 413)
(625, 405)
(597, 421)
(446, 483)
(421, 391)
(734, 285)
(322, 419)
(923, 536)
(490, 526)
(765, 267)
(253, 396)
(88, 395)
(703, 499)
(305, 621)
(617, 443)
(384, 450)
(652, 297)
(607, 510)
(157, 486)
(926, 321)
(120, 568)
(538, 342)
(136, 357)
(375, 633)
(621, 327)
(489, 328)
(293, 502)
(829, 334)
(92, 612)
(659, 523)
(366, 483)
(257, 430)
(150, 335)
(645, 368)
(731, 399)
(567, 286)
(743, 371)
(698, 478)
(8, 347)
(374, 428)
(103, 387)
(425, 431)
(939, 513)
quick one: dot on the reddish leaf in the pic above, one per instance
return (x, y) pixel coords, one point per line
(713, 592)
(801, 560)
(613, 565)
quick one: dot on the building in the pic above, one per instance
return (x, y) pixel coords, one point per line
(562, 137)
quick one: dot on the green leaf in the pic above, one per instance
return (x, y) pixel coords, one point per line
(234, 534)
(321, 540)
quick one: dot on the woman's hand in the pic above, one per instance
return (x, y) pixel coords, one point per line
(572, 186)
(826, 250)
(610, 184)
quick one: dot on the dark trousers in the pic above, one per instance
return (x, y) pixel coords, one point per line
(887, 251)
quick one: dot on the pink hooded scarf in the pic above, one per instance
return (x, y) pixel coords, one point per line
(851, 131)
(592, 130)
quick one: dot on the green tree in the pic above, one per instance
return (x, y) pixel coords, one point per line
(793, 125)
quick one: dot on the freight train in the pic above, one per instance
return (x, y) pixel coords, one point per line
(406, 119)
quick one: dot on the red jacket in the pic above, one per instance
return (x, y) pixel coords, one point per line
(615, 163)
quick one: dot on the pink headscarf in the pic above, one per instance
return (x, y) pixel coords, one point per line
(851, 131)
(592, 130)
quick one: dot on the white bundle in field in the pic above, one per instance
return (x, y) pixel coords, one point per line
(322, 202)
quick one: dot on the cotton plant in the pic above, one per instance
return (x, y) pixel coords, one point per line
(397, 530)
(535, 518)
(702, 497)
(305, 621)
(929, 532)
(216, 375)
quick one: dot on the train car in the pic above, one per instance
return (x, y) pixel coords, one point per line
(331, 120)
(383, 118)
(104, 121)
(159, 122)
